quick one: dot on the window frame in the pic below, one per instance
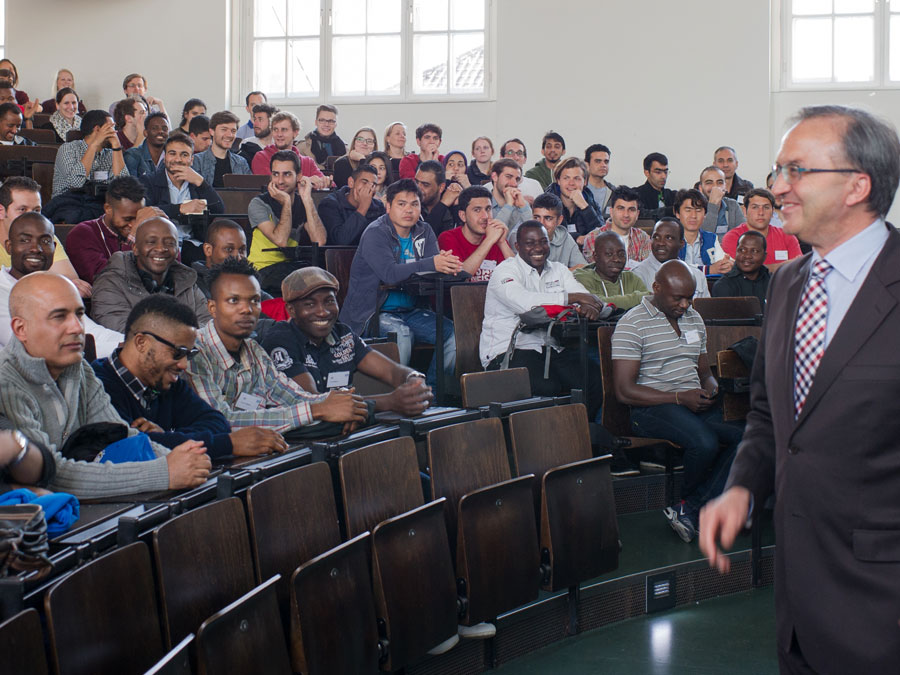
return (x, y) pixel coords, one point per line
(242, 65)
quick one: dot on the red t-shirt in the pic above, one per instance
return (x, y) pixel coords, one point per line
(455, 241)
(780, 246)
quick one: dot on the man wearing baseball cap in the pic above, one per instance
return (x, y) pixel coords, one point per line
(321, 354)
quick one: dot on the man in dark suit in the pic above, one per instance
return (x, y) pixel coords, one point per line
(823, 429)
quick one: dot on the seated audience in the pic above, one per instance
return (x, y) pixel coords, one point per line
(347, 211)
(91, 243)
(455, 167)
(553, 147)
(135, 84)
(129, 115)
(736, 187)
(665, 243)
(143, 381)
(192, 108)
(623, 216)
(548, 211)
(145, 158)
(661, 370)
(65, 117)
(13, 77)
(749, 276)
(363, 142)
(480, 242)
(514, 149)
(479, 170)
(200, 134)
(596, 157)
(722, 213)
(253, 99)
(581, 212)
(50, 391)
(385, 175)
(780, 246)
(64, 79)
(224, 239)
(237, 377)
(395, 145)
(218, 159)
(437, 200)
(23, 461)
(508, 204)
(323, 141)
(653, 194)
(607, 278)
(19, 195)
(30, 246)
(10, 123)
(8, 94)
(320, 354)
(152, 267)
(391, 250)
(284, 215)
(520, 283)
(701, 248)
(262, 131)
(285, 127)
(428, 138)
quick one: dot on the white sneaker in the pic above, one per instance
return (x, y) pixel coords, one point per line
(445, 646)
(480, 631)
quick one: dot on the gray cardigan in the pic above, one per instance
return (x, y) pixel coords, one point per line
(49, 412)
(733, 216)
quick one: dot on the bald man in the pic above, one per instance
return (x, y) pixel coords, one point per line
(49, 391)
(31, 246)
(661, 370)
(151, 267)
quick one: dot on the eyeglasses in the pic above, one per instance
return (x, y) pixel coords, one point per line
(178, 353)
(321, 120)
(793, 173)
(364, 141)
(515, 153)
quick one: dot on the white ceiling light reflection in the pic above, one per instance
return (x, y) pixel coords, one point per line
(661, 640)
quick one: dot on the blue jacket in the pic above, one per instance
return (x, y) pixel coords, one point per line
(377, 262)
(158, 194)
(708, 241)
(138, 160)
(205, 164)
(585, 220)
(184, 415)
(341, 219)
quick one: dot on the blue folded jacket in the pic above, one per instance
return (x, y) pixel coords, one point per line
(61, 509)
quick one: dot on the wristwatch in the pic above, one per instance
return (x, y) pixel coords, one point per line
(22, 441)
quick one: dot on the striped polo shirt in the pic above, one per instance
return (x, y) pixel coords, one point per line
(668, 362)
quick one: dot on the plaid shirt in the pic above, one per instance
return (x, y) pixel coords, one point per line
(220, 380)
(638, 244)
(68, 171)
(144, 395)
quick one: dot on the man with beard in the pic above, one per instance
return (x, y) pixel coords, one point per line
(665, 243)
(347, 211)
(143, 380)
(653, 194)
(218, 159)
(553, 146)
(623, 216)
(285, 127)
(749, 276)
(262, 131)
(722, 212)
(437, 200)
(606, 277)
(145, 157)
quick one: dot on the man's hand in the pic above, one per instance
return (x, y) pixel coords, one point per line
(280, 196)
(695, 400)
(722, 266)
(146, 426)
(447, 263)
(428, 151)
(364, 196)
(578, 199)
(318, 182)
(496, 231)
(103, 135)
(451, 194)
(356, 155)
(341, 405)
(720, 522)
(145, 213)
(588, 305)
(31, 108)
(252, 441)
(463, 180)
(716, 194)
(152, 100)
(411, 398)
(85, 290)
(192, 206)
(187, 173)
(189, 465)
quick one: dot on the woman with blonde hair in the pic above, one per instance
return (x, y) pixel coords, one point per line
(395, 144)
(364, 142)
(64, 79)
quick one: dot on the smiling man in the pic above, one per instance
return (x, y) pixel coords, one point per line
(285, 127)
(665, 243)
(723, 213)
(218, 159)
(606, 276)
(152, 267)
(553, 146)
(145, 157)
(780, 246)
(10, 123)
(480, 242)
(749, 276)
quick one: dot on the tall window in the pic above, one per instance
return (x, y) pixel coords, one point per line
(366, 49)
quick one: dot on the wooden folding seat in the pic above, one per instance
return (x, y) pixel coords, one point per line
(40, 119)
(177, 661)
(729, 366)
(245, 637)
(490, 517)
(745, 307)
(203, 563)
(415, 588)
(74, 135)
(237, 201)
(102, 618)
(248, 181)
(576, 509)
(338, 262)
(22, 644)
(42, 173)
(468, 314)
(39, 136)
(369, 386)
(719, 338)
(495, 386)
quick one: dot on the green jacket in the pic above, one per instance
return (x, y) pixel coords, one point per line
(541, 174)
(624, 293)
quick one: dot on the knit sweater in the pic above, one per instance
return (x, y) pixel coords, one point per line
(49, 411)
(624, 293)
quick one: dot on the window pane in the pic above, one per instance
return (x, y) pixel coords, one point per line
(811, 50)
(430, 15)
(801, 7)
(384, 16)
(894, 72)
(467, 63)
(854, 6)
(466, 14)
(383, 65)
(854, 49)
(270, 18)
(304, 17)
(303, 65)
(268, 67)
(429, 64)
(349, 17)
(349, 66)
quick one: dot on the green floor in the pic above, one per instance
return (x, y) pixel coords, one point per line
(733, 634)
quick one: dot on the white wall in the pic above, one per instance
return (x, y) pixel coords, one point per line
(647, 75)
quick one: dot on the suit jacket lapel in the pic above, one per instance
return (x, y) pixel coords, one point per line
(792, 295)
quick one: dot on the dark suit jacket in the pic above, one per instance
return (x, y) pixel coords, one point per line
(158, 194)
(835, 473)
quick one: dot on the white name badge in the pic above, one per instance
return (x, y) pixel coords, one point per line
(488, 265)
(722, 229)
(781, 255)
(740, 199)
(691, 336)
(340, 378)
(248, 402)
(571, 227)
(100, 175)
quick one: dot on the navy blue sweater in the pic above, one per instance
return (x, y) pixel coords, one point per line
(184, 415)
